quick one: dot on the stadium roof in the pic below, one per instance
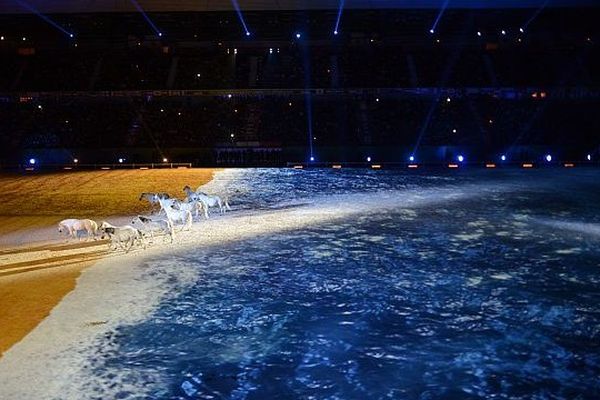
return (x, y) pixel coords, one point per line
(90, 6)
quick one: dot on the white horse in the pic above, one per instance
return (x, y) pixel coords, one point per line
(207, 200)
(153, 224)
(73, 226)
(124, 237)
(152, 198)
(173, 215)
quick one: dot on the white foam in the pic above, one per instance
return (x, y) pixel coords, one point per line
(51, 360)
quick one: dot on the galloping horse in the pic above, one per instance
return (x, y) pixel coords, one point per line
(207, 200)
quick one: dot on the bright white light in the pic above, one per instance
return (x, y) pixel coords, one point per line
(312, 159)
(24, 38)
(368, 159)
(159, 34)
(478, 33)
(377, 99)
(75, 160)
(162, 110)
(448, 99)
(71, 35)
(431, 31)
(589, 157)
(121, 160)
(335, 32)
(198, 75)
(32, 161)
(232, 135)
(521, 30)
(247, 33)
(453, 130)
(234, 51)
(548, 157)
(460, 158)
(271, 51)
(40, 106)
(411, 158)
(229, 96)
(503, 32)
(503, 157)
(1, 37)
(298, 35)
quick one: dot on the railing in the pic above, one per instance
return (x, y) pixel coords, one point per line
(77, 166)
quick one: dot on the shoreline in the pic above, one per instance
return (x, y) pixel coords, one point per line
(37, 267)
(134, 284)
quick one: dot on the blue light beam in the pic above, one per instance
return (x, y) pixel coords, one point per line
(339, 17)
(146, 17)
(240, 16)
(439, 16)
(45, 18)
(534, 16)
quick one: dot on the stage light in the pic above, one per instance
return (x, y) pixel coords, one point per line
(377, 99)
(198, 75)
(491, 121)
(503, 157)
(503, 32)
(453, 130)
(548, 157)
(75, 160)
(234, 51)
(448, 99)
(24, 38)
(40, 106)
(589, 157)
(270, 51)
(232, 135)
(32, 161)
(335, 32)
(165, 160)
(71, 35)
(460, 158)
(1, 37)
(121, 160)
(179, 113)
(521, 30)
(247, 33)
(411, 158)
(312, 158)
(229, 96)
(368, 159)
(431, 31)
(298, 35)
(478, 33)
(162, 110)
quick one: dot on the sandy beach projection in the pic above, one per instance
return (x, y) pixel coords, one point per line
(38, 267)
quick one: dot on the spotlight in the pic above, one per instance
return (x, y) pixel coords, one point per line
(431, 31)
(39, 106)
(589, 157)
(548, 157)
(247, 33)
(521, 30)
(32, 161)
(271, 51)
(24, 38)
(121, 160)
(312, 158)
(234, 51)
(479, 33)
(162, 110)
(75, 160)
(454, 130)
(448, 99)
(165, 159)
(411, 158)
(229, 96)
(232, 135)
(71, 35)
(298, 35)
(460, 158)
(1, 37)
(503, 32)
(159, 34)
(377, 100)
(368, 159)
(503, 157)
